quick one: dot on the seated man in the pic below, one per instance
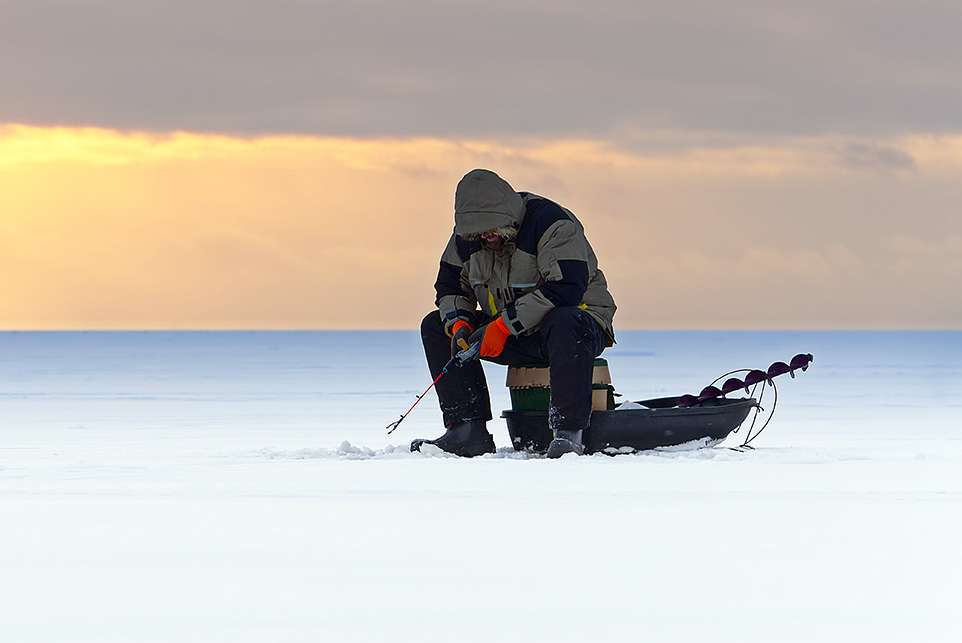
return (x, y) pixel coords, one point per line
(525, 260)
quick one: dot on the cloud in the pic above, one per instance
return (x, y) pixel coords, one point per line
(108, 229)
(861, 156)
(441, 68)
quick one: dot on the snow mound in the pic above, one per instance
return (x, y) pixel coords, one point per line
(700, 449)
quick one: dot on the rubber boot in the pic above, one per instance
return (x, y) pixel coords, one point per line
(566, 442)
(466, 439)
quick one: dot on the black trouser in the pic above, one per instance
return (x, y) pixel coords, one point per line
(569, 340)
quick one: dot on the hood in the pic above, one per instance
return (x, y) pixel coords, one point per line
(485, 201)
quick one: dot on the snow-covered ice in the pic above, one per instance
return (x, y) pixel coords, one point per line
(209, 486)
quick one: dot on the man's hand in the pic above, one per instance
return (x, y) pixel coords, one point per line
(492, 336)
(460, 332)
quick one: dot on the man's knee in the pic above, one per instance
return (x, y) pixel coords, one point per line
(570, 318)
(570, 324)
(431, 323)
(432, 329)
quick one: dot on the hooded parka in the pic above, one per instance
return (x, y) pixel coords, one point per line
(549, 262)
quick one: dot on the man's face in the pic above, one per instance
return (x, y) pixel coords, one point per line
(492, 239)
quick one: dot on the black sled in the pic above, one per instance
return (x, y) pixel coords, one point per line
(686, 421)
(661, 423)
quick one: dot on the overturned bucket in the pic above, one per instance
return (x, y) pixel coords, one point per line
(530, 387)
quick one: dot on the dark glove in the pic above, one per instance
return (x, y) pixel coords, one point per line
(460, 332)
(492, 336)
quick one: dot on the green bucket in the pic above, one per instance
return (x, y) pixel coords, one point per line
(530, 390)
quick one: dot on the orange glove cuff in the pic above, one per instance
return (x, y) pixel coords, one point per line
(456, 326)
(495, 336)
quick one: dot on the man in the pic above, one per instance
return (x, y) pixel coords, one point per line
(526, 262)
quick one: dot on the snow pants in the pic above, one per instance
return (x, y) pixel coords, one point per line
(568, 339)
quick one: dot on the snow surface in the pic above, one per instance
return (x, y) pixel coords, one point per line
(212, 486)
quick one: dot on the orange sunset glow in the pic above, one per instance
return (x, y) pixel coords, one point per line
(292, 164)
(105, 229)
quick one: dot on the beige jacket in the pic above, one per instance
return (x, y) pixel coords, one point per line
(549, 263)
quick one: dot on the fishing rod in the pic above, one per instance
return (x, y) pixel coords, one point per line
(466, 355)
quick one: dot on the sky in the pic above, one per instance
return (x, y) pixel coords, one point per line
(292, 163)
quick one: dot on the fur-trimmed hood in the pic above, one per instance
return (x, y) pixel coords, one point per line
(484, 201)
